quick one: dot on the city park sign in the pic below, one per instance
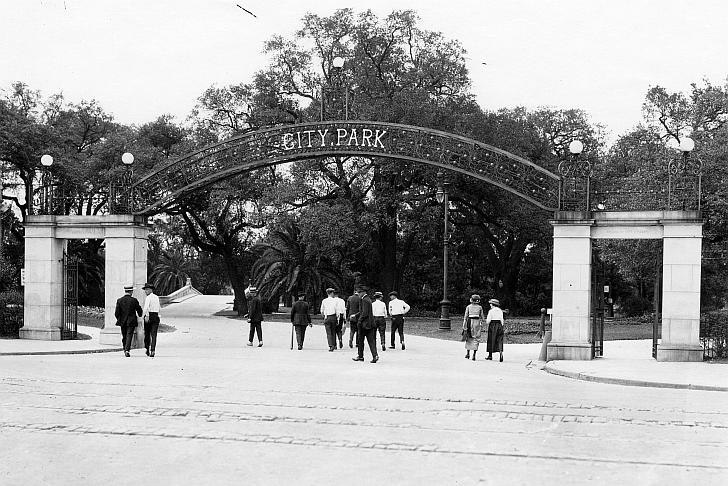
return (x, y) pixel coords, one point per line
(349, 137)
(180, 178)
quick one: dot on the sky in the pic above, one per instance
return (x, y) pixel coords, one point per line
(143, 58)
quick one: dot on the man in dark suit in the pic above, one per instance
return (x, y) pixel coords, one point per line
(300, 318)
(127, 310)
(352, 314)
(366, 329)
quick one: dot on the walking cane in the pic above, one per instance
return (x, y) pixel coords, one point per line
(291, 336)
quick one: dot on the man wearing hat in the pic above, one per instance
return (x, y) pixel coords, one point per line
(340, 317)
(126, 312)
(366, 328)
(331, 317)
(353, 306)
(379, 311)
(151, 319)
(300, 318)
(255, 316)
(397, 309)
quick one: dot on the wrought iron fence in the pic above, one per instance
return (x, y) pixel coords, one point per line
(69, 199)
(714, 334)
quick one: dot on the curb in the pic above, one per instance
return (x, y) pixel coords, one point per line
(71, 351)
(627, 382)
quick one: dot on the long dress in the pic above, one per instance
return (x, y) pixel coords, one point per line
(495, 330)
(473, 317)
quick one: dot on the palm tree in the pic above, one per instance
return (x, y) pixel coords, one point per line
(172, 271)
(286, 266)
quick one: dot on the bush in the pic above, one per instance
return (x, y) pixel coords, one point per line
(11, 313)
(634, 305)
(714, 333)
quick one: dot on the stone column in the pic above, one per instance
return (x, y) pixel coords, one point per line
(571, 331)
(681, 262)
(126, 264)
(43, 291)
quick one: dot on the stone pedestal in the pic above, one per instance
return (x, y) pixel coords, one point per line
(43, 291)
(126, 264)
(571, 291)
(681, 262)
(45, 240)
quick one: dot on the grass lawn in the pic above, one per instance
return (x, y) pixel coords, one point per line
(519, 330)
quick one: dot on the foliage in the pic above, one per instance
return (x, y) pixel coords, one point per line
(11, 313)
(172, 272)
(287, 266)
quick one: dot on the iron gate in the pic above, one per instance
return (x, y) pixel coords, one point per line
(657, 321)
(70, 297)
(597, 307)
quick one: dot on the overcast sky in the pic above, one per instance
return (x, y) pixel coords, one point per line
(144, 58)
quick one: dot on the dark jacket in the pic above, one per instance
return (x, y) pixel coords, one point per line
(127, 309)
(255, 310)
(366, 319)
(353, 306)
(299, 313)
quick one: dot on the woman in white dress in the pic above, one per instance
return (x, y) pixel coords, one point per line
(495, 329)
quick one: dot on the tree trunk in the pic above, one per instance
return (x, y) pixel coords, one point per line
(238, 283)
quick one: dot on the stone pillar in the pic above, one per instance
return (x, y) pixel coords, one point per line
(571, 331)
(681, 262)
(126, 264)
(43, 291)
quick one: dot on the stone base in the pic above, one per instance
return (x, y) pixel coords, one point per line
(679, 352)
(43, 334)
(110, 336)
(570, 351)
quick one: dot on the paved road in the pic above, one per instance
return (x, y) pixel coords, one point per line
(209, 410)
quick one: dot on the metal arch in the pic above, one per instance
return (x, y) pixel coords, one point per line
(288, 143)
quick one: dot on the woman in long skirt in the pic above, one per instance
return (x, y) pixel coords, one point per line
(472, 325)
(495, 329)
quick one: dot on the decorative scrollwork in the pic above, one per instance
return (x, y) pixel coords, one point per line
(357, 138)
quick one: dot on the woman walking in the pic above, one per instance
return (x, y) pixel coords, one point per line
(495, 329)
(472, 325)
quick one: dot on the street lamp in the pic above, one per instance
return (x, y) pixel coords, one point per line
(442, 197)
(46, 161)
(683, 172)
(336, 85)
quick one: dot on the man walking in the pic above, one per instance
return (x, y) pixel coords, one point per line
(366, 328)
(379, 311)
(150, 313)
(353, 306)
(331, 318)
(397, 309)
(126, 312)
(340, 317)
(255, 317)
(300, 318)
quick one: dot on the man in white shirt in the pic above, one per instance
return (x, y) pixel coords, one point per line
(340, 317)
(329, 313)
(397, 309)
(150, 314)
(379, 311)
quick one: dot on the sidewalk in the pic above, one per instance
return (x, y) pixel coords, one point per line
(625, 362)
(631, 363)
(14, 347)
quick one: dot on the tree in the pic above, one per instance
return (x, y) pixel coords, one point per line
(286, 266)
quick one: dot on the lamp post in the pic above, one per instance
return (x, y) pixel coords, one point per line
(442, 197)
(46, 161)
(684, 172)
(127, 158)
(335, 86)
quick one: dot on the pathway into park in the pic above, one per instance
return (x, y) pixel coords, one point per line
(210, 410)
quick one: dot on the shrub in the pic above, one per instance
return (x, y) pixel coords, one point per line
(11, 313)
